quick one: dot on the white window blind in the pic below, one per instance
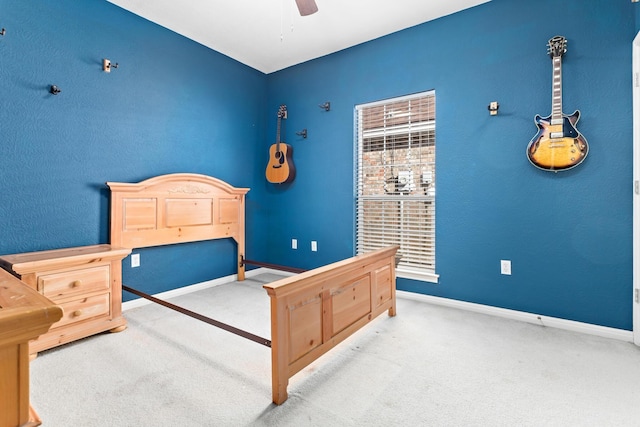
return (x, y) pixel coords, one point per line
(395, 181)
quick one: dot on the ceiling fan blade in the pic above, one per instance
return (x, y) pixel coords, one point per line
(307, 7)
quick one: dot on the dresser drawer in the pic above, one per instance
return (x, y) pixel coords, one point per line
(83, 308)
(69, 283)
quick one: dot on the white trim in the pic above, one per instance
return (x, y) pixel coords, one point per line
(416, 274)
(536, 319)
(554, 322)
(395, 99)
(636, 182)
(139, 302)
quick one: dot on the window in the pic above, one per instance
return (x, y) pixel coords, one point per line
(395, 181)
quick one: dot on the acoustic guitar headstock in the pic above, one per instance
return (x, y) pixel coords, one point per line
(282, 112)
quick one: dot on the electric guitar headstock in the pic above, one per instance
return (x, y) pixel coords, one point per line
(557, 47)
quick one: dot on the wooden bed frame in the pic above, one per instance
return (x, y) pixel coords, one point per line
(311, 312)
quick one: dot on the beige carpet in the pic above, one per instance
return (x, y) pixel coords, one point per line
(428, 366)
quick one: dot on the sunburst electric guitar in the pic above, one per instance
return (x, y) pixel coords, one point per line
(280, 168)
(558, 145)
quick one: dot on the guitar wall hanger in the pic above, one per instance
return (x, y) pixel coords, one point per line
(107, 65)
(326, 106)
(3, 32)
(302, 133)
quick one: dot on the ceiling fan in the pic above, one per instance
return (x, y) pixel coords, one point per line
(307, 7)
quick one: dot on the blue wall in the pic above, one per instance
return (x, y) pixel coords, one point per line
(568, 235)
(176, 106)
(171, 106)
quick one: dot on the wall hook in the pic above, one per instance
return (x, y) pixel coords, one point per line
(54, 90)
(493, 108)
(326, 106)
(107, 65)
(3, 32)
(302, 133)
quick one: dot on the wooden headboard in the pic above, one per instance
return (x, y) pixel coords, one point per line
(177, 208)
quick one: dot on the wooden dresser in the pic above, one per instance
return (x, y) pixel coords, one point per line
(24, 315)
(86, 282)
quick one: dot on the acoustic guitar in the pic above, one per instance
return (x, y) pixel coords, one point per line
(558, 145)
(280, 168)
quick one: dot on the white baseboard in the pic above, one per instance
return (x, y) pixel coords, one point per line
(139, 302)
(536, 319)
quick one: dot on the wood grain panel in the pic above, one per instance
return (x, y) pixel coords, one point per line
(188, 212)
(383, 284)
(228, 210)
(139, 214)
(350, 303)
(305, 326)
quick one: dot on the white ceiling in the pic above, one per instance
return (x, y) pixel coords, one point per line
(270, 35)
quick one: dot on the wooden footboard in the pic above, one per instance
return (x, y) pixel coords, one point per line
(314, 311)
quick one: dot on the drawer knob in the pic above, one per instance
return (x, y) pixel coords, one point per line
(77, 313)
(76, 283)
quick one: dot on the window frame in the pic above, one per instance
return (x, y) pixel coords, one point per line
(422, 273)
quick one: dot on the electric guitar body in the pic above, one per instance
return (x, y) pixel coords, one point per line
(280, 168)
(558, 145)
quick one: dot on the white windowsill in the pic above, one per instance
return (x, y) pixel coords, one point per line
(415, 274)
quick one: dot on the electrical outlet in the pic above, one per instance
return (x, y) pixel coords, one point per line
(135, 260)
(314, 246)
(294, 243)
(505, 267)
